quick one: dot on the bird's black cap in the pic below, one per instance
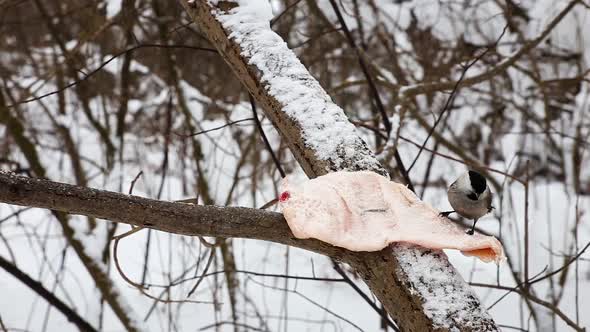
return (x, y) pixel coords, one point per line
(478, 182)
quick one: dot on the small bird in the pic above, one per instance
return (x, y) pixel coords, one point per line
(470, 197)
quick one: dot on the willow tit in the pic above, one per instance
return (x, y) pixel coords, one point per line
(470, 197)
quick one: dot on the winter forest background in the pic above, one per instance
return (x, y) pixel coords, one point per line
(130, 96)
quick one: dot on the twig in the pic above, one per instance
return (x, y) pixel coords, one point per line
(278, 17)
(314, 37)
(217, 325)
(374, 92)
(116, 256)
(36, 286)
(512, 327)
(364, 68)
(537, 300)
(503, 66)
(446, 156)
(451, 98)
(141, 288)
(102, 65)
(269, 204)
(213, 129)
(552, 273)
(266, 142)
(14, 214)
(379, 311)
(537, 278)
(526, 227)
(309, 300)
(133, 182)
(577, 222)
(2, 325)
(253, 273)
(211, 256)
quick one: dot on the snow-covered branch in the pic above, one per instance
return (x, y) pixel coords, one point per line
(317, 130)
(418, 287)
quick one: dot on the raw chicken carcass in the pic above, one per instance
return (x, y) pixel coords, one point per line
(364, 211)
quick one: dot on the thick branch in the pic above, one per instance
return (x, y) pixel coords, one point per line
(418, 287)
(178, 218)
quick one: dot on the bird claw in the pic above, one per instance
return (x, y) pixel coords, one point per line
(469, 232)
(445, 214)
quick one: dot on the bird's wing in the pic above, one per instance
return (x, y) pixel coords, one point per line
(489, 199)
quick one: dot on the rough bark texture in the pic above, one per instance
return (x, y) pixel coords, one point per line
(178, 218)
(392, 276)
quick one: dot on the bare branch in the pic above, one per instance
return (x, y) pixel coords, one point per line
(178, 218)
(439, 86)
(38, 288)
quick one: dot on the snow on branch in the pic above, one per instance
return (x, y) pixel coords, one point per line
(317, 130)
(418, 287)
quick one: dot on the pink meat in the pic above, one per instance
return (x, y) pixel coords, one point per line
(363, 211)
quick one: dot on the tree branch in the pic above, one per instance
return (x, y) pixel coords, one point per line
(171, 217)
(406, 279)
(38, 288)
